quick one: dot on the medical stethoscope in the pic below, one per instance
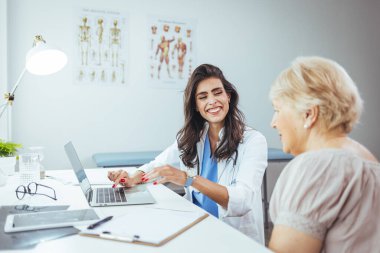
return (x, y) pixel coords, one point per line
(235, 170)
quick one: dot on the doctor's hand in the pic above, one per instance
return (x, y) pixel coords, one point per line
(123, 178)
(165, 174)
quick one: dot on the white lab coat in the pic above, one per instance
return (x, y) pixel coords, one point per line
(243, 181)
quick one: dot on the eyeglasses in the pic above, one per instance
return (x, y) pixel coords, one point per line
(27, 208)
(32, 189)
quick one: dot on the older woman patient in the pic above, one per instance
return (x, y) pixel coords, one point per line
(328, 197)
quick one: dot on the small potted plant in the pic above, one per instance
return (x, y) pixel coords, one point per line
(8, 154)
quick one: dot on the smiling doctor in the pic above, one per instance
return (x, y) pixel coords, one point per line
(219, 160)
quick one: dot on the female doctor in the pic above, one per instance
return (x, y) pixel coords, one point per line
(219, 160)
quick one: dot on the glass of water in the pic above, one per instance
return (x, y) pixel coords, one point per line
(29, 166)
(40, 151)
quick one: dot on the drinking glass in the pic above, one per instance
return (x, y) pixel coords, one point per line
(29, 168)
(40, 151)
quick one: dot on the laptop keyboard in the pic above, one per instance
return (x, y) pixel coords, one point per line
(110, 195)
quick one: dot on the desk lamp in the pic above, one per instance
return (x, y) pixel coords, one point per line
(41, 59)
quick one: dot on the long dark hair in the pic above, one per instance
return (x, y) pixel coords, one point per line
(191, 132)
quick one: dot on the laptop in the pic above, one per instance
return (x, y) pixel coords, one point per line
(107, 196)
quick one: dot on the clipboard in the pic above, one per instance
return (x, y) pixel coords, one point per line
(148, 226)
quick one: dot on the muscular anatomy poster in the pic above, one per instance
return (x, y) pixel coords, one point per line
(101, 47)
(171, 51)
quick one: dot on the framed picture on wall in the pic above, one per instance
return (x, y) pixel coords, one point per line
(101, 47)
(171, 51)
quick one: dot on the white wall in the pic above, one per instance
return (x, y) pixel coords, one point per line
(3, 67)
(252, 41)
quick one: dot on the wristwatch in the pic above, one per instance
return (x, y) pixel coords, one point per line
(190, 177)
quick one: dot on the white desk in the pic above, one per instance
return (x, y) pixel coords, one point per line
(210, 235)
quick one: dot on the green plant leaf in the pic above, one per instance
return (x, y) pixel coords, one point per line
(8, 148)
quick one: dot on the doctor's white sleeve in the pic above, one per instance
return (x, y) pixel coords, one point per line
(244, 194)
(169, 156)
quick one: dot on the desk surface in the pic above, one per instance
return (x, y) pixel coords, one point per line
(210, 235)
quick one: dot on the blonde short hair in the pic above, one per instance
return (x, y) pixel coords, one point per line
(317, 81)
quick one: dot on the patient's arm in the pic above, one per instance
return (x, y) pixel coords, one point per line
(286, 239)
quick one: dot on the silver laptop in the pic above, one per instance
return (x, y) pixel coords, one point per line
(107, 196)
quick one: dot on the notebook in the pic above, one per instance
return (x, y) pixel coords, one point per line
(106, 196)
(147, 225)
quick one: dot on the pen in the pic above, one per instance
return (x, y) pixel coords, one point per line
(108, 235)
(96, 224)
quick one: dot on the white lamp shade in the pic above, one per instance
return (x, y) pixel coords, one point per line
(44, 60)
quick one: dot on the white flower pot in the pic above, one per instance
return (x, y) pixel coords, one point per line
(7, 165)
(3, 178)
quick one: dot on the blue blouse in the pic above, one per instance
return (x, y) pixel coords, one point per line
(210, 171)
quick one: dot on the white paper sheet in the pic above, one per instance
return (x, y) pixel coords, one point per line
(146, 224)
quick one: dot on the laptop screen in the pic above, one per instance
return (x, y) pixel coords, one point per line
(78, 168)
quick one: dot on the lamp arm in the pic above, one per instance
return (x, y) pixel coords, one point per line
(17, 82)
(5, 105)
(10, 96)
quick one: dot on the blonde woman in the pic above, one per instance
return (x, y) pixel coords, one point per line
(328, 197)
